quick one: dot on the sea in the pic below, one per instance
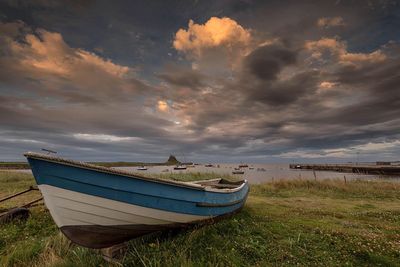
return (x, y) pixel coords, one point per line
(259, 173)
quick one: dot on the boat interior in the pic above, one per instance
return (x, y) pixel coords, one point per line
(220, 183)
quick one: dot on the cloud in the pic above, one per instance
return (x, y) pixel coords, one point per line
(267, 61)
(216, 32)
(182, 77)
(326, 85)
(330, 22)
(104, 137)
(264, 83)
(351, 152)
(338, 49)
(71, 99)
(47, 52)
(47, 65)
(284, 102)
(215, 48)
(162, 106)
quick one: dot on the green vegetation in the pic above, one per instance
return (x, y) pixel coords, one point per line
(24, 165)
(124, 164)
(171, 161)
(284, 223)
(14, 165)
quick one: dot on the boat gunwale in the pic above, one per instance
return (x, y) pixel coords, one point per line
(84, 165)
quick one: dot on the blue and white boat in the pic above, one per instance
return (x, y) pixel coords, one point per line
(98, 207)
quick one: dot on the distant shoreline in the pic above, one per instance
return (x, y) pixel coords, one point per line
(25, 165)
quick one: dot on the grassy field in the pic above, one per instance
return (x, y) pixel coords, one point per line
(14, 165)
(25, 165)
(284, 223)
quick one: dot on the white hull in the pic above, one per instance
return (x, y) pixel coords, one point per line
(70, 208)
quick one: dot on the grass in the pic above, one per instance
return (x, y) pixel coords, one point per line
(25, 165)
(14, 165)
(284, 223)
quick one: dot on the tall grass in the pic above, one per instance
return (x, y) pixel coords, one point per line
(331, 187)
(284, 223)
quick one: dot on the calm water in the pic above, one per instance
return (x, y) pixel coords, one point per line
(255, 175)
(272, 172)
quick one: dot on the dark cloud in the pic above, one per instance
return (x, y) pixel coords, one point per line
(179, 76)
(285, 92)
(267, 61)
(97, 81)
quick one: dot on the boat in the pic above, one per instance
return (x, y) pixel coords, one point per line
(142, 168)
(237, 172)
(208, 165)
(180, 167)
(98, 207)
(243, 165)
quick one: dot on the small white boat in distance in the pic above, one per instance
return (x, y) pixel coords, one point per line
(142, 168)
(180, 167)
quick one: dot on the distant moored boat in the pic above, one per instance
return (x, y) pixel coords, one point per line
(142, 168)
(180, 167)
(99, 207)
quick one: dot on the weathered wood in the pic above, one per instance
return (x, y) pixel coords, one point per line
(20, 214)
(19, 193)
(32, 202)
(115, 253)
(351, 168)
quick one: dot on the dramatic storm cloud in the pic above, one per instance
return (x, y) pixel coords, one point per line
(222, 81)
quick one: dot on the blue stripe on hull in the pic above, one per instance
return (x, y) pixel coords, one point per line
(134, 191)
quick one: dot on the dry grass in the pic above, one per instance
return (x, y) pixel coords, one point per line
(284, 223)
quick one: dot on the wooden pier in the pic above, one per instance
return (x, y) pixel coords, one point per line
(350, 168)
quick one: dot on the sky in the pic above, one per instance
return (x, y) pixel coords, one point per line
(207, 81)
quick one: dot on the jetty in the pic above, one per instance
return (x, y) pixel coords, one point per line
(351, 168)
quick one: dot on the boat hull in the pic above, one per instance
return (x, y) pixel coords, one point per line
(97, 222)
(97, 209)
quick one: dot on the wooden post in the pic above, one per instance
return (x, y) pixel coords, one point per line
(17, 194)
(315, 175)
(345, 180)
(115, 253)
